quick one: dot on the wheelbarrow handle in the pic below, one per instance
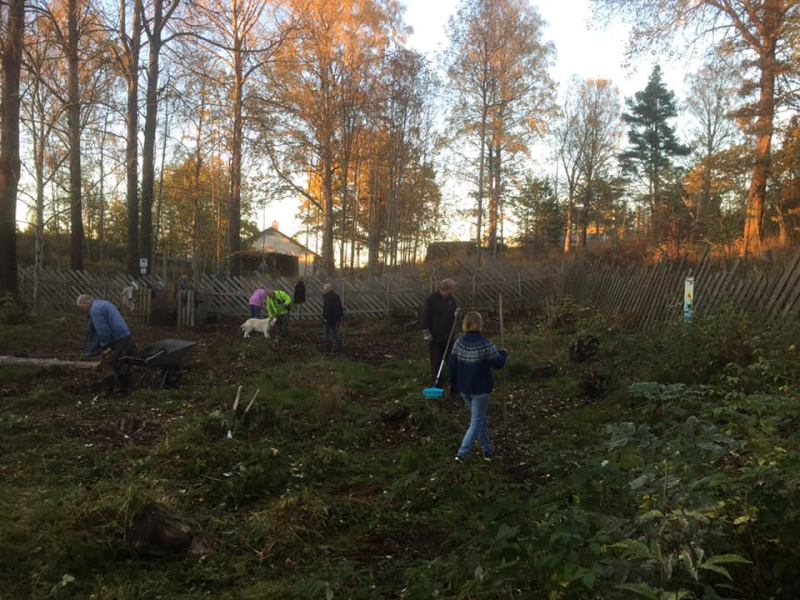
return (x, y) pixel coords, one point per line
(155, 356)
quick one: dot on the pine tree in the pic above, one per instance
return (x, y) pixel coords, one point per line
(652, 141)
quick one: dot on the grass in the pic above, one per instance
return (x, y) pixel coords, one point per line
(318, 497)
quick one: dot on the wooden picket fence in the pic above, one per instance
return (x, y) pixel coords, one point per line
(186, 308)
(228, 297)
(523, 288)
(58, 289)
(646, 297)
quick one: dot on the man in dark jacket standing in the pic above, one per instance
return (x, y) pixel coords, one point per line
(438, 316)
(332, 313)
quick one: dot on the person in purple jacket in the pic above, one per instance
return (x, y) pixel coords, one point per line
(257, 301)
(470, 365)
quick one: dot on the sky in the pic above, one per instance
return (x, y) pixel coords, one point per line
(581, 50)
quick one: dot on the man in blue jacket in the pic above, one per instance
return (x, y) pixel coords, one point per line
(108, 335)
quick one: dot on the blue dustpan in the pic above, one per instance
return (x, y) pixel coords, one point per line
(433, 393)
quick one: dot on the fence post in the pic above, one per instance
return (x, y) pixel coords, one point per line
(341, 325)
(473, 290)
(388, 297)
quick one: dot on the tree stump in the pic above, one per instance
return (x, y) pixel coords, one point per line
(394, 415)
(157, 533)
(543, 370)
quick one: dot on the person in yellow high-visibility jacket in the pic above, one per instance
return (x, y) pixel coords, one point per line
(278, 303)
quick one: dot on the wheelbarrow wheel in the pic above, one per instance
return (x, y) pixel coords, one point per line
(170, 377)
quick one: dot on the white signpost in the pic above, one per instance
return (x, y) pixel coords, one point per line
(688, 298)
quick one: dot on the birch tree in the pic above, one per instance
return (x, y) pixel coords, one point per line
(128, 51)
(333, 47)
(497, 66)
(154, 24)
(711, 105)
(244, 36)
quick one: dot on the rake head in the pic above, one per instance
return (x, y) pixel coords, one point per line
(433, 393)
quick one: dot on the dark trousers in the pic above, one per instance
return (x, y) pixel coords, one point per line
(113, 366)
(282, 325)
(331, 330)
(438, 351)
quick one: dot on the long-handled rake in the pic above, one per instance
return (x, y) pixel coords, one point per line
(433, 392)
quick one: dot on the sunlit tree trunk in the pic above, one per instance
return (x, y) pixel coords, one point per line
(155, 32)
(74, 121)
(235, 202)
(9, 145)
(754, 218)
(131, 47)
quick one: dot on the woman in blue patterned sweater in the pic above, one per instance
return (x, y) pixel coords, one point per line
(470, 366)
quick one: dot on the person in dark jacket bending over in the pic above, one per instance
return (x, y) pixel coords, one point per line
(438, 317)
(332, 313)
(471, 364)
(299, 295)
(108, 335)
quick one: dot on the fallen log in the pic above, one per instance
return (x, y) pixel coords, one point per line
(19, 361)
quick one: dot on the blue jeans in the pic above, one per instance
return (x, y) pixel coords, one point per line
(255, 311)
(478, 404)
(332, 329)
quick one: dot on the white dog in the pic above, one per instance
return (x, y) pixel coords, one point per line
(262, 325)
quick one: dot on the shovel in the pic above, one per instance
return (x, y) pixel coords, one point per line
(246, 410)
(233, 413)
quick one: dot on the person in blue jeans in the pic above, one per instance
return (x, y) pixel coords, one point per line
(470, 365)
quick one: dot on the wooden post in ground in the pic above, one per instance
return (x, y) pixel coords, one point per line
(341, 325)
(388, 297)
(503, 373)
(473, 290)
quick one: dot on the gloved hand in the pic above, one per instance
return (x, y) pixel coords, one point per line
(427, 335)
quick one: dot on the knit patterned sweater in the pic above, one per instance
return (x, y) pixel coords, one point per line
(471, 363)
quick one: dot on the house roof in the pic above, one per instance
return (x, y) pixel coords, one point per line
(272, 231)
